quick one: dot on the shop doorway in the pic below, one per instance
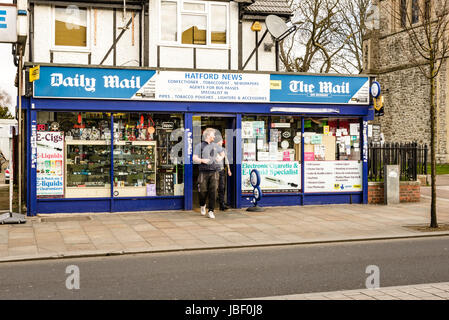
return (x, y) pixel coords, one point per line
(225, 125)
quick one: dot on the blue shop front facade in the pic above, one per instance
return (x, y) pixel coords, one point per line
(121, 139)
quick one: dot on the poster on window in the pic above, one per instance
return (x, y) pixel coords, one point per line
(332, 176)
(276, 176)
(50, 164)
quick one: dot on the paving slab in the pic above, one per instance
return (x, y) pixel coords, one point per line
(387, 293)
(120, 233)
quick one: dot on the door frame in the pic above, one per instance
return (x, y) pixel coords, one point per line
(232, 197)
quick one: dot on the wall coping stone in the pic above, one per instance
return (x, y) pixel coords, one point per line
(402, 183)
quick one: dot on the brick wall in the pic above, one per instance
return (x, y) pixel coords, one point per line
(410, 191)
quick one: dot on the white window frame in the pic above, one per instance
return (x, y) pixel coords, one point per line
(207, 13)
(87, 48)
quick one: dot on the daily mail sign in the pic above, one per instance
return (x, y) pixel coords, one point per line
(8, 23)
(130, 84)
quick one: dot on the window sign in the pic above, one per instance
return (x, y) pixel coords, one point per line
(332, 176)
(276, 176)
(50, 164)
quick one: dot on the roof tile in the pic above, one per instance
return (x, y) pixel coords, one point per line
(280, 7)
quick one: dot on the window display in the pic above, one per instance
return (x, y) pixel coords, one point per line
(75, 162)
(331, 139)
(328, 141)
(87, 169)
(86, 152)
(145, 163)
(135, 168)
(273, 146)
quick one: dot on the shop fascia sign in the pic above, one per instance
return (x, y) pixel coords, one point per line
(130, 84)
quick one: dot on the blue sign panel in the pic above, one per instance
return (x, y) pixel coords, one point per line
(319, 89)
(137, 84)
(89, 83)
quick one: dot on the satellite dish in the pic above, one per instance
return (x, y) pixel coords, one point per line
(278, 28)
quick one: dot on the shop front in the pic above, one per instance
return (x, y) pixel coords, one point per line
(107, 140)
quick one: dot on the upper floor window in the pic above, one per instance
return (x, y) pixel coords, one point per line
(194, 22)
(70, 26)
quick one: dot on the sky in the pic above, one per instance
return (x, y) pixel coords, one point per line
(7, 69)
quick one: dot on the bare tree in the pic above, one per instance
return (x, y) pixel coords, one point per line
(328, 37)
(314, 43)
(352, 15)
(427, 37)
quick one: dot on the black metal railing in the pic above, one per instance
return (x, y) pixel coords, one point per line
(411, 158)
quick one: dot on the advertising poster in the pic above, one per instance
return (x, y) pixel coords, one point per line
(50, 164)
(276, 176)
(333, 176)
(247, 130)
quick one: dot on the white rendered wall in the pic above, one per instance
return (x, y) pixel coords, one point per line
(127, 54)
(99, 42)
(267, 61)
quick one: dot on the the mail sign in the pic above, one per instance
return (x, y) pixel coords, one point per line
(8, 23)
(327, 89)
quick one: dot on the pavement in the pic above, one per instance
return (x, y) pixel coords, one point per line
(100, 234)
(430, 291)
(442, 188)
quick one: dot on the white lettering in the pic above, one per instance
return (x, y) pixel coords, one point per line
(58, 79)
(329, 87)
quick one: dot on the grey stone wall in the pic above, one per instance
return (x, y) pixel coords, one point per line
(406, 90)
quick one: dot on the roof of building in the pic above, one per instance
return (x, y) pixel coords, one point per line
(278, 7)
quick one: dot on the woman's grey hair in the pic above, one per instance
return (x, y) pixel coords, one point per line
(208, 132)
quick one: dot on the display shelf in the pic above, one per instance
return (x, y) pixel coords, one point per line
(135, 168)
(88, 142)
(87, 168)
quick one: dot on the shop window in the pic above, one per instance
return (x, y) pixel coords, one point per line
(272, 144)
(199, 23)
(73, 155)
(327, 139)
(70, 26)
(332, 155)
(148, 155)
